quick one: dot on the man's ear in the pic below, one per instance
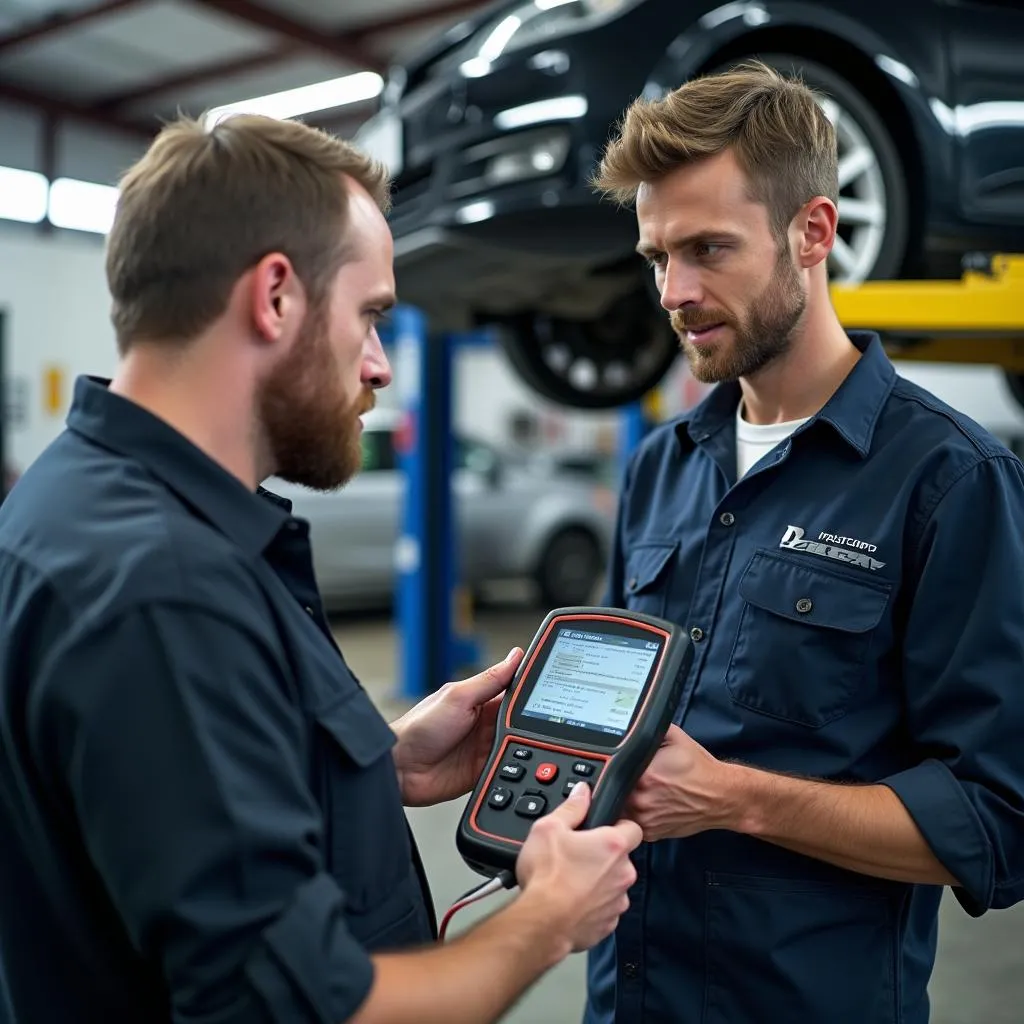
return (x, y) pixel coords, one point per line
(276, 299)
(815, 228)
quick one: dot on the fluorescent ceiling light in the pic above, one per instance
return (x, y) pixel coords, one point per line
(337, 92)
(82, 205)
(23, 195)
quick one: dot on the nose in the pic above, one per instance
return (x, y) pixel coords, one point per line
(680, 286)
(376, 368)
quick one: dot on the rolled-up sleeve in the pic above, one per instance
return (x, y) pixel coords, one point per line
(172, 739)
(964, 685)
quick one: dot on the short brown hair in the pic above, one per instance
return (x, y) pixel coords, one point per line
(781, 137)
(204, 205)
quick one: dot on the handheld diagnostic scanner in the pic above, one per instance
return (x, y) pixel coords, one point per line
(591, 701)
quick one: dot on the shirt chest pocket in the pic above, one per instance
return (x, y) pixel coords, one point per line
(803, 639)
(648, 577)
(365, 837)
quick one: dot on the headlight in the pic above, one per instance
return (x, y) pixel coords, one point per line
(536, 21)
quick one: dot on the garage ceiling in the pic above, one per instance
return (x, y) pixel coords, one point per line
(124, 65)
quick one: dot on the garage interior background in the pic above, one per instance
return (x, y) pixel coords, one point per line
(83, 86)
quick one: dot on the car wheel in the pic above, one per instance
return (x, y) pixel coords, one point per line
(593, 364)
(874, 214)
(569, 569)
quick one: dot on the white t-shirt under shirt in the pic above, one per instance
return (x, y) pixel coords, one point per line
(755, 440)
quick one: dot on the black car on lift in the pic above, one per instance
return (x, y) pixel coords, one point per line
(493, 131)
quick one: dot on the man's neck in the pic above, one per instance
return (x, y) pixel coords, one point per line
(799, 383)
(197, 397)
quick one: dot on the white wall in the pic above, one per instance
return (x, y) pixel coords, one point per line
(980, 392)
(488, 393)
(81, 151)
(55, 300)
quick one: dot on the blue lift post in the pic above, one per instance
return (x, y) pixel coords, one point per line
(634, 423)
(427, 551)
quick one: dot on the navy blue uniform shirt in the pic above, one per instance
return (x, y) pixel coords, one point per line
(856, 604)
(200, 813)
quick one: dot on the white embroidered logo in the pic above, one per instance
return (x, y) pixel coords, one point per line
(829, 545)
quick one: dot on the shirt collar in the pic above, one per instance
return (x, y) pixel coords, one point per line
(852, 411)
(250, 519)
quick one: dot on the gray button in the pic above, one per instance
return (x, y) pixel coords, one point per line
(804, 605)
(696, 634)
(308, 609)
(727, 519)
(633, 583)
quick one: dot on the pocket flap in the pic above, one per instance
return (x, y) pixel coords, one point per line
(645, 565)
(358, 727)
(813, 595)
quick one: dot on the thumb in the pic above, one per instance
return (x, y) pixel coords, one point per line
(479, 689)
(574, 810)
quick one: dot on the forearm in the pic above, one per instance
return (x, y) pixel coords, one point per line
(863, 828)
(474, 979)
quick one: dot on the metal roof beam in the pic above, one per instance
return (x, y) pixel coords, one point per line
(54, 107)
(355, 38)
(61, 20)
(196, 76)
(262, 17)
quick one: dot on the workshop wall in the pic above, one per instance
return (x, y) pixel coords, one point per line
(56, 305)
(79, 151)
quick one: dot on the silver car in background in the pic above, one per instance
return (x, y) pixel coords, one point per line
(518, 518)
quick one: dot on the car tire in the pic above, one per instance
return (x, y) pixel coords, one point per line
(569, 569)
(602, 363)
(880, 250)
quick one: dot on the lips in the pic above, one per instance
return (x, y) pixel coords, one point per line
(702, 334)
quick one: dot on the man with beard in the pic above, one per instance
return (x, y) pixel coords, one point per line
(201, 808)
(845, 552)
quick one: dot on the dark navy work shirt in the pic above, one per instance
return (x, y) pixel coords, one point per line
(200, 813)
(856, 604)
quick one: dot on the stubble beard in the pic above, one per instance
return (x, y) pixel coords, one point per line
(761, 337)
(313, 433)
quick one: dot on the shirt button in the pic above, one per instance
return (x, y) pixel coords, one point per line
(630, 970)
(309, 610)
(804, 605)
(633, 583)
(727, 519)
(696, 634)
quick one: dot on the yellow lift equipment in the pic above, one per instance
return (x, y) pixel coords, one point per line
(978, 319)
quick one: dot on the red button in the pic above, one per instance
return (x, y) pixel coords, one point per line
(547, 772)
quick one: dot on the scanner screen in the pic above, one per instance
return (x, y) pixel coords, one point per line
(592, 680)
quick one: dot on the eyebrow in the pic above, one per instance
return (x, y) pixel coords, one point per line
(644, 249)
(384, 301)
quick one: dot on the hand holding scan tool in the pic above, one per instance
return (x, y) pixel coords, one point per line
(590, 702)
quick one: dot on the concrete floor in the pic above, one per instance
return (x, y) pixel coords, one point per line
(979, 974)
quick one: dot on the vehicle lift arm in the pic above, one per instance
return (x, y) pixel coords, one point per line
(978, 319)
